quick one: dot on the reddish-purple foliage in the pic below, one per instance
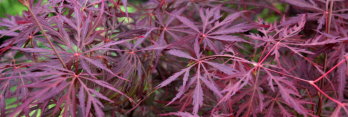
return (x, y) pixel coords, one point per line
(184, 58)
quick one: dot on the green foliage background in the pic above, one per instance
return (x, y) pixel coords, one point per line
(10, 7)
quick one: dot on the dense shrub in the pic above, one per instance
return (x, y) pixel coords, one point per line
(175, 57)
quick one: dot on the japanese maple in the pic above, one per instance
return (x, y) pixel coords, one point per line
(184, 58)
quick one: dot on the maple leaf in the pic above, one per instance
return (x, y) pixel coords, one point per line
(213, 29)
(198, 78)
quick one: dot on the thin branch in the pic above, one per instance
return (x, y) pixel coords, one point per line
(46, 37)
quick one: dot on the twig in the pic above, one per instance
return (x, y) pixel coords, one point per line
(45, 34)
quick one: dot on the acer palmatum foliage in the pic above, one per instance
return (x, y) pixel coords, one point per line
(184, 58)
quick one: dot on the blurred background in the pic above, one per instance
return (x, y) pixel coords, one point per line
(10, 7)
(13, 7)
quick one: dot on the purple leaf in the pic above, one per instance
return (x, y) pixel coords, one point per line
(98, 109)
(107, 45)
(212, 86)
(224, 68)
(228, 19)
(187, 22)
(197, 97)
(180, 54)
(180, 114)
(34, 50)
(99, 95)
(303, 4)
(82, 100)
(8, 33)
(226, 38)
(234, 29)
(141, 40)
(173, 77)
(101, 66)
(108, 86)
(69, 22)
(196, 48)
(181, 89)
